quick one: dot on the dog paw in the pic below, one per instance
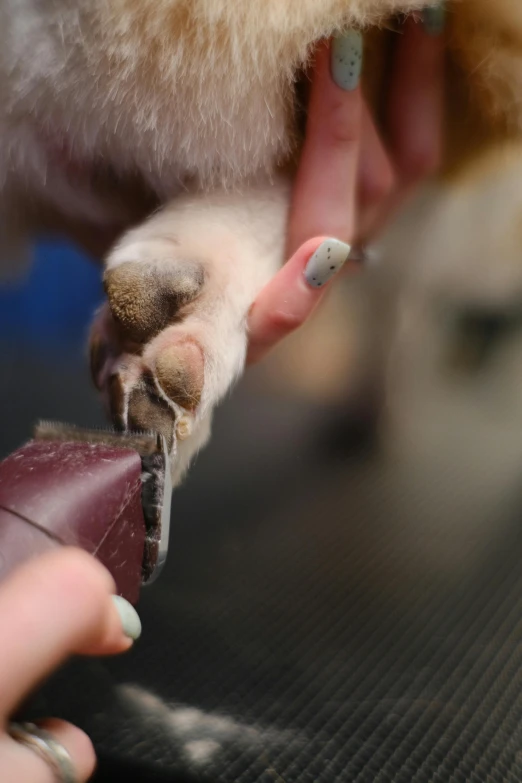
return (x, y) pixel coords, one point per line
(164, 349)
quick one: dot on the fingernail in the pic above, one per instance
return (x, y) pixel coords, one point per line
(130, 621)
(434, 19)
(346, 59)
(328, 259)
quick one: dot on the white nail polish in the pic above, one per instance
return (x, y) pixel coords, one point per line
(346, 59)
(328, 259)
(130, 621)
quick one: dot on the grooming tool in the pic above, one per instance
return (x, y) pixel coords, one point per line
(106, 492)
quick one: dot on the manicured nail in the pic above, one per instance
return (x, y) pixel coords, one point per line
(434, 19)
(346, 59)
(328, 259)
(130, 621)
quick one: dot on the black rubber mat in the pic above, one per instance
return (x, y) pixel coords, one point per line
(328, 623)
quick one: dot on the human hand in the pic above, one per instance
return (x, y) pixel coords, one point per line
(348, 184)
(52, 607)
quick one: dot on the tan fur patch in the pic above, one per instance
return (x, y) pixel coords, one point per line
(487, 39)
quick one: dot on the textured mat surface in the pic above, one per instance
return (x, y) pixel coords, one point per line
(347, 636)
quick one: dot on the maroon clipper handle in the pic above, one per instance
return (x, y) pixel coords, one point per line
(88, 495)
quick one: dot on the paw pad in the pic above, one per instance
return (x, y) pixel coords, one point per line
(145, 297)
(156, 387)
(179, 371)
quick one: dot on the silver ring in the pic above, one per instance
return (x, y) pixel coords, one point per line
(47, 747)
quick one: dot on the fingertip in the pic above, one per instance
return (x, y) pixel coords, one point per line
(114, 642)
(289, 299)
(347, 59)
(122, 627)
(326, 262)
(295, 270)
(306, 250)
(128, 617)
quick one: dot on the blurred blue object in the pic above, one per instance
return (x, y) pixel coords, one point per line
(50, 309)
